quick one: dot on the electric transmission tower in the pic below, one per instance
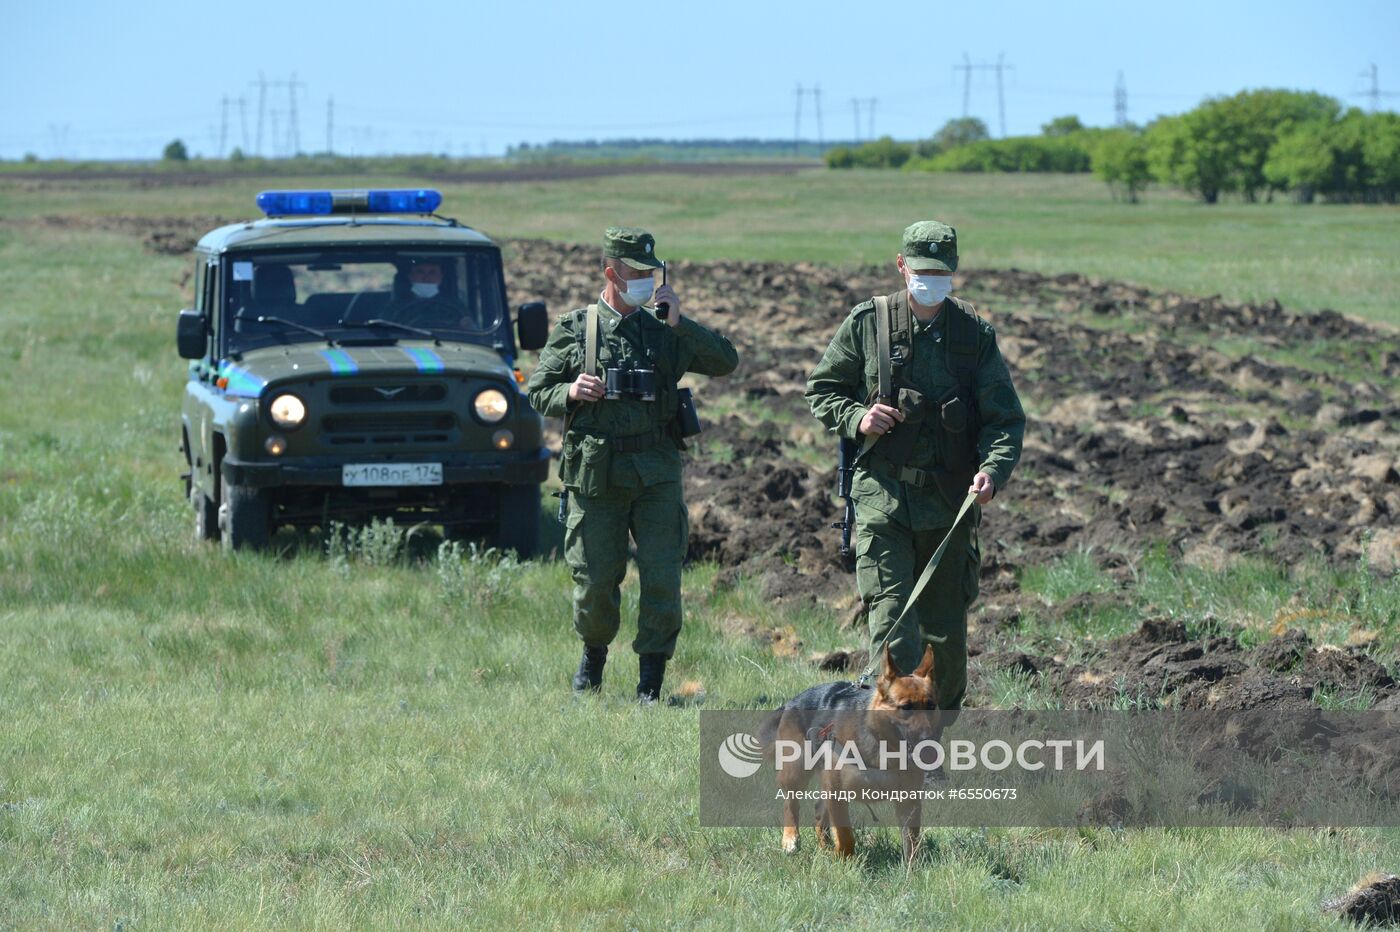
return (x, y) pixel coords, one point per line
(243, 120)
(261, 85)
(1120, 102)
(797, 123)
(223, 125)
(967, 67)
(1374, 92)
(816, 94)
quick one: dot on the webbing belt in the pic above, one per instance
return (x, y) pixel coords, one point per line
(919, 478)
(924, 578)
(629, 443)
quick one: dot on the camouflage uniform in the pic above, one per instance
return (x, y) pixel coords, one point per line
(621, 458)
(902, 514)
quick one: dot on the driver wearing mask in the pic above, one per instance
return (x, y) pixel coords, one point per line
(426, 305)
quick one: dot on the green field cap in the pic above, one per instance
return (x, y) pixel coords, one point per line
(930, 246)
(634, 246)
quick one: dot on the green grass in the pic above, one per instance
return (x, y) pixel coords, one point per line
(357, 738)
(1307, 256)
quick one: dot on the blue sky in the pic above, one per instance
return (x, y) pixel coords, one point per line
(104, 80)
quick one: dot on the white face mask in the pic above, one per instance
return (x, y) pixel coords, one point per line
(929, 290)
(425, 289)
(638, 290)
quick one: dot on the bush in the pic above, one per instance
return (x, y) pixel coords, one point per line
(960, 132)
(175, 151)
(1015, 154)
(840, 157)
(881, 153)
(1120, 159)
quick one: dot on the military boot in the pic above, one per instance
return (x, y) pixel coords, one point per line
(652, 670)
(589, 677)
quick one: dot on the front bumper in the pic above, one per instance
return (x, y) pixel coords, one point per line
(458, 468)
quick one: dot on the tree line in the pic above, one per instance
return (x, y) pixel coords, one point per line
(1254, 144)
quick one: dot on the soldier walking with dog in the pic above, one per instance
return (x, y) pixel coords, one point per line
(916, 380)
(611, 371)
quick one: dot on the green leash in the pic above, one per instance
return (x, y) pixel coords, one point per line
(924, 578)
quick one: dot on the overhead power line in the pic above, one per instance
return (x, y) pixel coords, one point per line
(967, 67)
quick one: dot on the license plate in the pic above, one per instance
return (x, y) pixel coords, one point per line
(391, 474)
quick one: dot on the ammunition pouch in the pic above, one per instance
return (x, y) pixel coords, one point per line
(957, 445)
(585, 463)
(687, 417)
(897, 444)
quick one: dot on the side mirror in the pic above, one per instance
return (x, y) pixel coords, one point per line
(192, 334)
(532, 324)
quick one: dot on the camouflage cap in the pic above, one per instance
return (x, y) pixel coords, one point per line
(634, 246)
(930, 246)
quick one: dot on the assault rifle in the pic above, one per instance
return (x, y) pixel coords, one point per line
(845, 472)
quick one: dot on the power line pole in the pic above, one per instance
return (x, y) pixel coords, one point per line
(1374, 93)
(223, 126)
(59, 132)
(870, 112)
(817, 102)
(855, 111)
(1001, 97)
(261, 85)
(797, 123)
(243, 120)
(293, 124)
(330, 124)
(1120, 102)
(273, 114)
(967, 67)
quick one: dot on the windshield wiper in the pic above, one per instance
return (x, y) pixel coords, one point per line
(381, 322)
(266, 319)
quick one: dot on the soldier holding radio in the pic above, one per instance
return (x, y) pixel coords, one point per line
(611, 371)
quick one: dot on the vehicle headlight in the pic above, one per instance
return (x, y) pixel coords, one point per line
(491, 405)
(287, 411)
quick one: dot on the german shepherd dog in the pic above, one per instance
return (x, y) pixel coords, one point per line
(897, 708)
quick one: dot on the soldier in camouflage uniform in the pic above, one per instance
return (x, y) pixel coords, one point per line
(953, 428)
(620, 462)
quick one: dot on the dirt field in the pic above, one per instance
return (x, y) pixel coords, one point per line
(1212, 428)
(1144, 428)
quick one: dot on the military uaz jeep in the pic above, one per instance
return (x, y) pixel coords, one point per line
(352, 358)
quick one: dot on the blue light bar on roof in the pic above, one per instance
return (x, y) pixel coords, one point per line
(320, 203)
(422, 201)
(285, 203)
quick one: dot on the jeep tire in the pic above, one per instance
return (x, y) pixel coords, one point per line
(206, 515)
(245, 516)
(518, 520)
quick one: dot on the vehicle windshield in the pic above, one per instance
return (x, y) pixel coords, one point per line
(361, 294)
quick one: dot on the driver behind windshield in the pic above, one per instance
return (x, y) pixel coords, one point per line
(427, 303)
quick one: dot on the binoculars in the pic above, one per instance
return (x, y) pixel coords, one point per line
(637, 383)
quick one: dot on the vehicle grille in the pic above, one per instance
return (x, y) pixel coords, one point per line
(404, 393)
(369, 429)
